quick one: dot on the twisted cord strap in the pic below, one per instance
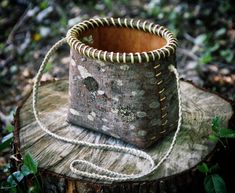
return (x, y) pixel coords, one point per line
(102, 173)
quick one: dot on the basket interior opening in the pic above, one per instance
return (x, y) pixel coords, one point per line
(117, 39)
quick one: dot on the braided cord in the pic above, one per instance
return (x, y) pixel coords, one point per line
(102, 173)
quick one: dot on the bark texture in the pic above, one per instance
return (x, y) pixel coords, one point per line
(54, 157)
(133, 102)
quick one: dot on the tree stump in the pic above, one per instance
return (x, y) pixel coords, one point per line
(54, 157)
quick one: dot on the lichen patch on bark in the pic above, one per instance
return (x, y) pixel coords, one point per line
(74, 112)
(83, 71)
(124, 67)
(154, 105)
(126, 113)
(141, 114)
(91, 84)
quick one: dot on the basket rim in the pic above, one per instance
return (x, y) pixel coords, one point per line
(122, 57)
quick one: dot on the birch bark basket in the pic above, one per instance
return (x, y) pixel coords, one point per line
(176, 174)
(119, 81)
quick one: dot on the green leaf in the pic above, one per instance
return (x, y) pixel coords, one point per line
(2, 46)
(214, 47)
(227, 55)
(154, 11)
(63, 21)
(9, 128)
(203, 168)
(108, 4)
(220, 132)
(13, 177)
(6, 141)
(30, 163)
(44, 4)
(214, 184)
(213, 138)
(226, 133)
(25, 170)
(216, 122)
(205, 58)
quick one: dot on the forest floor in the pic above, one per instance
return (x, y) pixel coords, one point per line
(205, 30)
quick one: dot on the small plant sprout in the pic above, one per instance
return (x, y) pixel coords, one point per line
(213, 183)
(26, 179)
(218, 132)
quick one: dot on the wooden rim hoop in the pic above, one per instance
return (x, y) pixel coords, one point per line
(116, 57)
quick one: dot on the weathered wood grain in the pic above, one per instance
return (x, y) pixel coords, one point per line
(54, 157)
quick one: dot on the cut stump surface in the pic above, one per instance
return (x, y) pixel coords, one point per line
(54, 156)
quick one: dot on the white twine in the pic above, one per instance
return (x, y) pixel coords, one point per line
(103, 173)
